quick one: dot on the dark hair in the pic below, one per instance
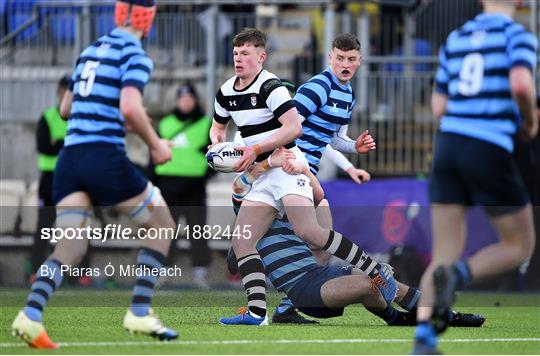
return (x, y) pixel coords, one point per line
(252, 36)
(186, 88)
(346, 42)
(64, 82)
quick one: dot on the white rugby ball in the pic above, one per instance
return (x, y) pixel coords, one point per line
(222, 157)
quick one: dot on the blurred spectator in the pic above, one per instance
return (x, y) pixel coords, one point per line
(183, 179)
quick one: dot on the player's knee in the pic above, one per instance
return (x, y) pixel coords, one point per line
(144, 211)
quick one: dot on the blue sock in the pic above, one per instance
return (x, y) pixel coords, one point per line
(144, 286)
(48, 278)
(284, 305)
(389, 314)
(410, 300)
(463, 273)
(425, 333)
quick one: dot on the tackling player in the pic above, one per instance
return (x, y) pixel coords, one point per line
(323, 291)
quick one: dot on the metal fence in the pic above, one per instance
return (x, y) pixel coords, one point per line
(191, 40)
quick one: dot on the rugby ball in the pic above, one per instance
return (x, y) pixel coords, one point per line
(222, 157)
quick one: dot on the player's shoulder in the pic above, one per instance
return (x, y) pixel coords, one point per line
(267, 82)
(320, 82)
(228, 87)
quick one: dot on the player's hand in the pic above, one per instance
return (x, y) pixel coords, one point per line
(281, 155)
(161, 153)
(214, 139)
(248, 157)
(365, 143)
(292, 166)
(358, 175)
(529, 131)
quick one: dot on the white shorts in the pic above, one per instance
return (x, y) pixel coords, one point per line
(274, 184)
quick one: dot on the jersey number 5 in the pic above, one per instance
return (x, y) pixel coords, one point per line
(88, 76)
(471, 75)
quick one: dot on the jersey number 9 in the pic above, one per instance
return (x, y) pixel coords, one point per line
(471, 75)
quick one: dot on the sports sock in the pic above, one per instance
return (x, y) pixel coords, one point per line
(410, 300)
(462, 271)
(425, 334)
(254, 280)
(48, 278)
(144, 285)
(284, 305)
(389, 314)
(341, 247)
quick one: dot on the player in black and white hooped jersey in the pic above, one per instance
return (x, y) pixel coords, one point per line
(267, 119)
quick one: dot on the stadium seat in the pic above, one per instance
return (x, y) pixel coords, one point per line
(11, 194)
(29, 208)
(19, 11)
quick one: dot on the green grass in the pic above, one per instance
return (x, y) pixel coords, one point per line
(95, 316)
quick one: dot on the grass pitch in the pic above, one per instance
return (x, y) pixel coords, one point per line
(90, 322)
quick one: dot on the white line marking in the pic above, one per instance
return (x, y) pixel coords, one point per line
(282, 341)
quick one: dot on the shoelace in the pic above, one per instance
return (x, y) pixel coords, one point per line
(378, 280)
(242, 310)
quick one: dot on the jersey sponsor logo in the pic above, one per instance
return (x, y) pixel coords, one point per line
(231, 153)
(102, 50)
(477, 38)
(300, 183)
(270, 84)
(232, 102)
(334, 109)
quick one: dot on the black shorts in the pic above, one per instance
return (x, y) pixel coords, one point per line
(306, 293)
(469, 171)
(103, 171)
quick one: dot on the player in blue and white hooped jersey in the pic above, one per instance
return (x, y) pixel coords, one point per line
(325, 104)
(484, 97)
(93, 169)
(318, 290)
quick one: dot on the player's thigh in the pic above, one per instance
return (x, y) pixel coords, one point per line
(147, 209)
(301, 213)
(253, 221)
(342, 291)
(449, 231)
(73, 215)
(517, 228)
(324, 215)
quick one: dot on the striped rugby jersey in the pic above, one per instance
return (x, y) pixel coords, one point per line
(474, 71)
(254, 109)
(326, 105)
(285, 256)
(113, 62)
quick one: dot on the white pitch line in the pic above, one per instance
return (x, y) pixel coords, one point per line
(282, 341)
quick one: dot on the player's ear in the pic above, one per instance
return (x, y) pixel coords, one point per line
(262, 56)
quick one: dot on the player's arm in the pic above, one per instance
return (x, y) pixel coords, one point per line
(357, 175)
(218, 130)
(131, 106)
(279, 101)
(522, 87)
(65, 104)
(242, 183)
(343, 143)
(439, 97)
(522, 49)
